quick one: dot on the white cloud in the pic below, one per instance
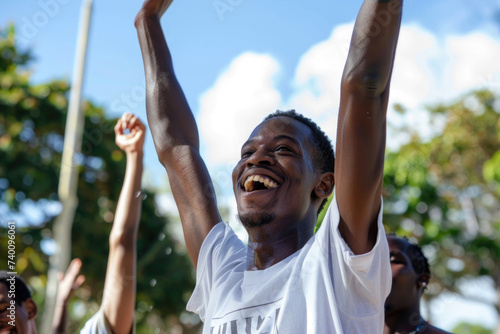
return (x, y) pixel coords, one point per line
(413, 79)
(317, 79)
(240, 98)
(474, 62)
(428, 69)
(319, 73)
(432, 69)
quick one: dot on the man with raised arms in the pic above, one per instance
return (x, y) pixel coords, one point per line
(288, 279)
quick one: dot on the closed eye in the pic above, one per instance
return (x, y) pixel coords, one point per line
(246, 154)
(283, 148)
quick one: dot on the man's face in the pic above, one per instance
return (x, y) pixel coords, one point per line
(275, 177)
(404, 292)
(20, 317)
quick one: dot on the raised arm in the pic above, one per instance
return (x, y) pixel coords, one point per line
(68, 283)
(361, 132)
(118, 302)
(174, 131)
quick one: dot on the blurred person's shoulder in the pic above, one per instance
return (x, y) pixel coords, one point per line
(434, 330)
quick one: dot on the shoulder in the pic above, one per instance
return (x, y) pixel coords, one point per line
(96, 325)
(221, 247)
(434, 330)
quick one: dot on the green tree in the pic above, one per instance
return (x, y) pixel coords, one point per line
(444, 192)
(465, 328)
(32, 122)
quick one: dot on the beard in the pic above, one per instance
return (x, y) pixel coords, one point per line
(255, 219)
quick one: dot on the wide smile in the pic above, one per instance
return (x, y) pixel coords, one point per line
(259, 182)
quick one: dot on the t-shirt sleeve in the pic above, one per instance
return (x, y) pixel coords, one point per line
(98, 325)
(361, 282)
(220, 252)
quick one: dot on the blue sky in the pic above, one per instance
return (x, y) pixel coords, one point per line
(204, 41)
(238, 65)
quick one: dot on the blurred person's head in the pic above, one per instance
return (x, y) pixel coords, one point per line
(410, 277)
(410, 274)
(17, 309)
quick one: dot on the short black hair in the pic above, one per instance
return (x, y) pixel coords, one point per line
(22, 290)
(418, 259)
(323, 155)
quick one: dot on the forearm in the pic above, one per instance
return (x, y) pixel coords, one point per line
(128, 209)
(169, 116)
(120, 284)
(60, 317)
(118, 300)
(373, 45)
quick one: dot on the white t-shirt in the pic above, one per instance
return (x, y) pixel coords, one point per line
(322, 288)
(99, 325)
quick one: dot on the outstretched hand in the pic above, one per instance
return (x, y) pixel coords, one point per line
(130, 133)
(153, 8)
(69, 282)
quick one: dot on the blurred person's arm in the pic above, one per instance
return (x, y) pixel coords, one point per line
(68, 283)
(118, 301)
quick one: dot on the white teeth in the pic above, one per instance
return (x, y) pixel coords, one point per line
(250, 181)
(249, 184)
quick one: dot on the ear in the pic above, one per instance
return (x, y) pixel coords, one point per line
(325, 185)
(423, 281)
(31, 308)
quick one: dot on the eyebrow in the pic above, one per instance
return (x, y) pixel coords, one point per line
(275, 138)
(292, 139)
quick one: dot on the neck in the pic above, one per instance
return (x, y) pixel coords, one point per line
(270, 246)
(33, 327)
(403, 321)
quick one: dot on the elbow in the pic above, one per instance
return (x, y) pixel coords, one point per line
(162, 154)
(171, 154)
(165, 155)
(165, 149)
(125, 238)
(369, 83)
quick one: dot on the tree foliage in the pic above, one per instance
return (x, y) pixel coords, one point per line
(32, 123)
(465, 328)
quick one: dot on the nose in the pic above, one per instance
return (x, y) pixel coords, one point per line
(260, 158)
